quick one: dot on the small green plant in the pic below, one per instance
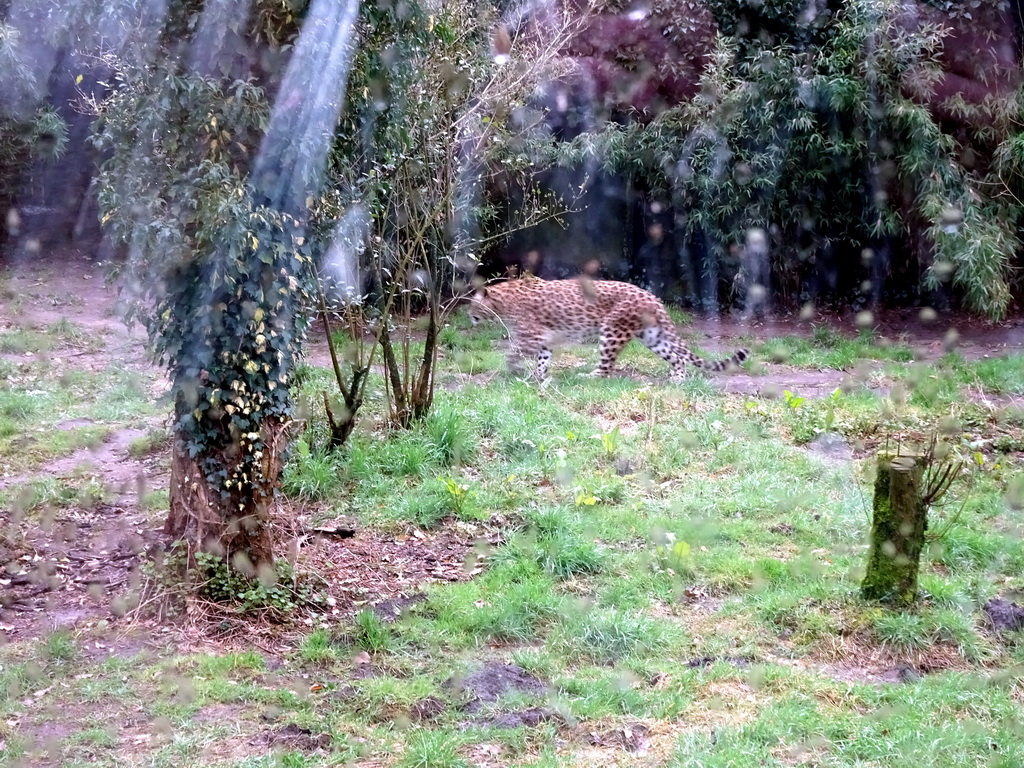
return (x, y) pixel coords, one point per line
(792, 400)
(673, 555)
(459, 494)
(60, 646)
(318, 649)
(827, 336)
(277, 593)
(68, 332)
(602, 487)
(610, 441)
(586, 499)
(559, 550)
(903, 632)
(830, 409)
(448, 433)
(311, 474)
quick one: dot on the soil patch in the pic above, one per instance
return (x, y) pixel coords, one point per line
(1005, 615)
(427, 709)
(530, 717)
(293, 737)
(388, 570)
(494, 680)
(77, 567)
(392, 609)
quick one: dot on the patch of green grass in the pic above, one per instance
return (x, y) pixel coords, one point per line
(475, 361)
(318, 649)
(94, 737)
(943, 383)
(449, 431)
(50, 493)
(371, 634)
(210, 665)
(18, 406)
(926, 723)
(20, 341)
(432, 749)
(8, 370)
(156, 500)
(406, 455)
(914, 632)
(126, 393)
(678, 316)
(60, 646)
(511, 603)
(555, 545)
(312, 474)
(829, 349)
(73, 335)
(607, 635)
(154, 441)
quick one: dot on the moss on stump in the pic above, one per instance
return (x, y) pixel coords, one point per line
(900, 518)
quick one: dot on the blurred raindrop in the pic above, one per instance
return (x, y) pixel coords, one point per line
(864, 320)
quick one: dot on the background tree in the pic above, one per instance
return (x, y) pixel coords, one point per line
(30, 130)
(846, 135)
(434, 123)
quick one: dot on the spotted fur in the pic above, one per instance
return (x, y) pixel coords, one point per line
(542, 313)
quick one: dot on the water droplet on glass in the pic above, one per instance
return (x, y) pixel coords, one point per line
(949, 341)
(943, 270)
(952, 218)
(13, 220)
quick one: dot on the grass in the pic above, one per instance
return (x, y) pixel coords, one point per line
(673, 565)
(41, 409)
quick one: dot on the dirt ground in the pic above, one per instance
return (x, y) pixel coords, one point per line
(75, 568)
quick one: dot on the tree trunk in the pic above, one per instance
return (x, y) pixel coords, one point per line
(227, 524)
(900, 517)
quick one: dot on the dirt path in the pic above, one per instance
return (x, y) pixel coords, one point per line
(971, 337)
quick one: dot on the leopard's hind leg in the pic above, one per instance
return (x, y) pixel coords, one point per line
(667, 345)
(617, 330)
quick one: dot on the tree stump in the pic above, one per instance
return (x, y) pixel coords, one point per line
(900, 517)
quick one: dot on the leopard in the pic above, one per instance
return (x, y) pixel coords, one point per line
(543, 313)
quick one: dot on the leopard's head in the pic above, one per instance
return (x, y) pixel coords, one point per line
(480, 307)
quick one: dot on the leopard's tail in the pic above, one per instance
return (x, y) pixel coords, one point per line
(722, 365)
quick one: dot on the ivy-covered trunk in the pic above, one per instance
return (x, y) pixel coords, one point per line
(230, 524)
(233, 315)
